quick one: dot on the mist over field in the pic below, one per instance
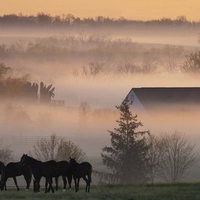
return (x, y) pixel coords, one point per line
(97, 67)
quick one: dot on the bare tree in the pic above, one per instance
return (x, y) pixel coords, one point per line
(5, 153)
(172, 57)
(68, 149)
(93, 69)
(84, 110)
(177, 157)
(56, 148)
(154, 155)
(192, 63)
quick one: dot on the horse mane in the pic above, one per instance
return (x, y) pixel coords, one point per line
(31, 159)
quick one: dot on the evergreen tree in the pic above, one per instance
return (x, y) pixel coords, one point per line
(127, 156)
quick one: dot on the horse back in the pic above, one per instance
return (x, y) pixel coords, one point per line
(85, 168)
(49, 168)
(16, 169)
(63, 168)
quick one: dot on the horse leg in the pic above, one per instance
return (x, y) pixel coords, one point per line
(77, 186)
(89, 181)
(56, 180)
(64, 182)
(5, 187)
(47, 189)
(49, 180)
(28, 181)
(37, 184)
(3, 184)
(87, 188)
(69, 178)
(75, 182)
(15, 180)
(45, 185)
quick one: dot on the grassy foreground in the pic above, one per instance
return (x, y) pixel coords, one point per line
(183, 191)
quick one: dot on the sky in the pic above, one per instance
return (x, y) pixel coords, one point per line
(129, 9)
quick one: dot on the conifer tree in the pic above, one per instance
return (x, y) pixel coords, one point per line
(127, 155)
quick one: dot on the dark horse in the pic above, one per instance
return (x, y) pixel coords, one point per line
(82, 170)
(63, 168)
(39, 170)
(14, 169)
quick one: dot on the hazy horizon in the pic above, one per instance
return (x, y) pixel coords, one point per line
(98, 68)
(131, 9)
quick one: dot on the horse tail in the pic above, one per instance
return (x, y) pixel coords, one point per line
(90, 174)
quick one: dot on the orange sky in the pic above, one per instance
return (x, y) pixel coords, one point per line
(130, 9)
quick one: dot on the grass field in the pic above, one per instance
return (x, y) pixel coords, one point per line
(183, 191)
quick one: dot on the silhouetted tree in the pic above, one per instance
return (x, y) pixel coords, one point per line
(56, 148)
(154, 156)
(127, 156)
(5, 153)
(3, 71)
(84, 110)
(46, 93)
(177, 157)
(31, 91)
(172, 57)
(15, 86)
(192, 63)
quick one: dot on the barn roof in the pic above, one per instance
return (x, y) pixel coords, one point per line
(149, 96)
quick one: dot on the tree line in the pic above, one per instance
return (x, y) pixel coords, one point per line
(70, 20)
(19, 87)
(171, 58)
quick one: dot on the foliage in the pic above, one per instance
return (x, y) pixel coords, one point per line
(192, 63)
(12, 87)
(3, 71)
(46, 93)
(127, 156)
(15, 86)
(56, 148)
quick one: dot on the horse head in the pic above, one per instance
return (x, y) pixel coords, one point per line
(72, 161)
(23, 159)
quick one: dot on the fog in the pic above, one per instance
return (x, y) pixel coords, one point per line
(98, 68)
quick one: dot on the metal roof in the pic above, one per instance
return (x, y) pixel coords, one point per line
(149, 96)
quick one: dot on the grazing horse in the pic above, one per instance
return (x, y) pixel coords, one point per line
(63, 168)
(39, 170)
(2, 171)
(14, 169)
(82, 170)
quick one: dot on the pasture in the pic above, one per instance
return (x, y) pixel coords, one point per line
(181, 191)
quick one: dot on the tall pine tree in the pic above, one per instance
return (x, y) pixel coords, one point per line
(127, 155)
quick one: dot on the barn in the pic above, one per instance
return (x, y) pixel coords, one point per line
(150, 98)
